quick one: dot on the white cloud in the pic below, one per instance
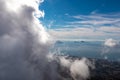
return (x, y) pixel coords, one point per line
(111, 43)
(110, 29)
(65, 62)
(93, 26)
(24, 43)
(85, 33)
(97, 20)
(79, 69)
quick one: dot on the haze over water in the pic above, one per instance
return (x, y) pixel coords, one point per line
(90, 49)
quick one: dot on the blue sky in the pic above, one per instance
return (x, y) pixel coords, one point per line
(82, 19)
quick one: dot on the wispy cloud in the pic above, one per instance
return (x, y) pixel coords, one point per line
(93, 26)
(97, 20)
(84, 33)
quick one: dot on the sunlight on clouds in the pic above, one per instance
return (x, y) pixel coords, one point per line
(14, 5)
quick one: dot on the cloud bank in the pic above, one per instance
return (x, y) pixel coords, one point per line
(24, 42)
(24, 45)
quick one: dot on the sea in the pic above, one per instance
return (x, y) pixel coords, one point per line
(89, 49)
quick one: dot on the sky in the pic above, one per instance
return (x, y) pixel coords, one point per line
(82, 19)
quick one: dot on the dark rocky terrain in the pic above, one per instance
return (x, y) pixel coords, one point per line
(104, 70)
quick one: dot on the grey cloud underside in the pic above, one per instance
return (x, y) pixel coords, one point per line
(19, 46)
